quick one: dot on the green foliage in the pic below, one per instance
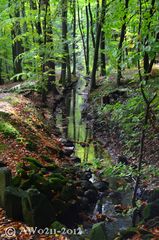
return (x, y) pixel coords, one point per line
(120, 170)
(128, 171)
(8, 129)
(127, 116)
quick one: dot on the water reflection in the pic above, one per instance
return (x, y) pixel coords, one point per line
(69, 121)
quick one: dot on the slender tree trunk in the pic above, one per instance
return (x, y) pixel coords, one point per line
(17, 47)
(87, 38)
(122, 37)
(96, 51)
(1, 79)
(82, 36)
(141, 152)
(64, 38)
(91, 25)
(102, 47)
(33, 6)
(103, 60)
(147, 62)
(50, 64)
(74, 37)
(97, 14)
(65, 67)
(68, 64)
(44, 90)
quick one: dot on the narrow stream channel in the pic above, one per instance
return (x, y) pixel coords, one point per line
(73, 127)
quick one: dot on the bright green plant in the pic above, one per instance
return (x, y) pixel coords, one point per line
(8, 129)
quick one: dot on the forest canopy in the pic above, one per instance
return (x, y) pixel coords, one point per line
(39, 37)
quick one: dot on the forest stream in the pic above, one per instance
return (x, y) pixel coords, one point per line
(79, 120)
(76, 128)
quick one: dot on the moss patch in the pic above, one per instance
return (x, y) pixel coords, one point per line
(8, 130)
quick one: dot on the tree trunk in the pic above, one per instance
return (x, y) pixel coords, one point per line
(91, 25)
(122, 37)
(87, 38)
(96, 51)
(102, 47)
(65, 66)
(82, 36)
(141, 152)
(103, 60)
(1, 79)
(97, 14)
(147, 62)
(74, 38)
(17, 47)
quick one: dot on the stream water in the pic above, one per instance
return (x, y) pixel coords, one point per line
(73, 127)
(69, 120)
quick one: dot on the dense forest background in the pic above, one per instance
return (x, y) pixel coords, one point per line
(40, 37)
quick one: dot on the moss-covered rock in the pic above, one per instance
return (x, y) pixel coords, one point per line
(58, 206)
(57, 175)
(56, 184)
(37, 209)
(33, 162)
(8, 129)
(16, 181)
(13, 202)
(26, 184)
(68, 193)
(5, 181)
(51, 167)
(128, 233)
(98, 232)
(57, 226)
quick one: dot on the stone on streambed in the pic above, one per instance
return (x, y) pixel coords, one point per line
(86, 175)
(70, 215)
(67, 143)
(92, 195)
(84, 203)
(5, 181)
(75, 159)
(151, 210)
(68, 151)
(37, 210)
(98, 232)
(13, 203)
(86, 185)
(101, 186)
(116, 197)
(68, 192)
